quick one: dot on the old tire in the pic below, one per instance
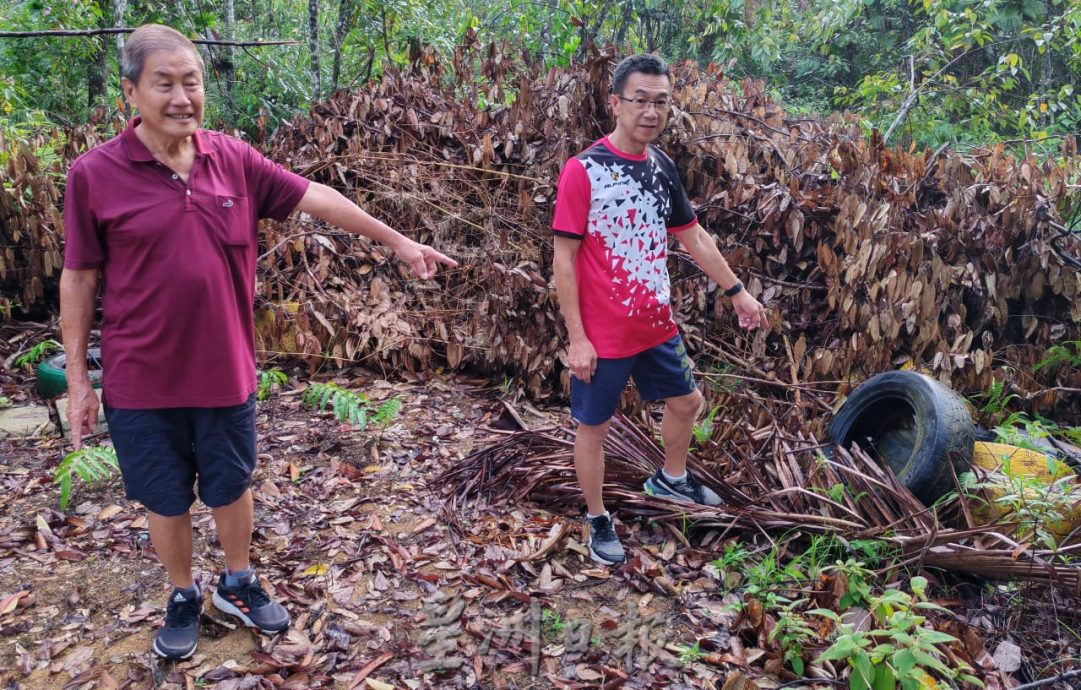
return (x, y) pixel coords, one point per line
(911, 423)
(50, 372)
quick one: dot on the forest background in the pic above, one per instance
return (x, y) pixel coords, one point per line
(925, 72)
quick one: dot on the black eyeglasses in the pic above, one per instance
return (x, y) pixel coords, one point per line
(660, 104)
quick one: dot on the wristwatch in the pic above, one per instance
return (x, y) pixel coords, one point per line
(734, 290)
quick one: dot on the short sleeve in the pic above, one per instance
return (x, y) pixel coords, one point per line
(275, 190)
(682, 216)
(84, 247)
(572, 201)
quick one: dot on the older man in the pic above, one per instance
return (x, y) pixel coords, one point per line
(167, 214)
(616, 205)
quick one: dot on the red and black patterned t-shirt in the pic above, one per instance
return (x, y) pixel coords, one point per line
(622, 207)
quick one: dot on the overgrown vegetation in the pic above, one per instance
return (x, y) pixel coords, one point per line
(880, 634)
(959, 71)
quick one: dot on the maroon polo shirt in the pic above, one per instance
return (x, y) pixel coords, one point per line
(178, 265)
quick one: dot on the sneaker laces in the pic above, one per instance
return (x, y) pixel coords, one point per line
(255, 595)
(182, 614)
(601, 528)
(691, 483)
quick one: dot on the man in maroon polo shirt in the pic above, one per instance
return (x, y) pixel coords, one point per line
(167, 215)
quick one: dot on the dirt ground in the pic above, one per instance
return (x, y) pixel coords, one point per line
(352, 534)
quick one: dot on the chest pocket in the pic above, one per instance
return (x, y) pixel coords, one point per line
(231, 219)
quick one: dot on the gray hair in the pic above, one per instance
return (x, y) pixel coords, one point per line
(148, 39)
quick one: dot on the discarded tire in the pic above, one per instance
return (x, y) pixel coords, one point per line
(911, 423)
(50, 372)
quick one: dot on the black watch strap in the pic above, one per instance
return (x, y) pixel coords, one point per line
(734, 290)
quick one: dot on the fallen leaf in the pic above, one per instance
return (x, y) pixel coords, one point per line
(378, 684)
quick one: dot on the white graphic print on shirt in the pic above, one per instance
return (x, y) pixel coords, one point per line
(629, 218)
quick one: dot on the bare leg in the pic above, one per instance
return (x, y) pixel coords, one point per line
(234, 523)
(589, 463)
(676, 428)
(171, 537)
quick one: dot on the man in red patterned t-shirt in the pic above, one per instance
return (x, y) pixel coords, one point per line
(616, 203)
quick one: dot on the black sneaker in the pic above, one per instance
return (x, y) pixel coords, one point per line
(249, 602)
(178, 637)
(604, 546)
(688, 490)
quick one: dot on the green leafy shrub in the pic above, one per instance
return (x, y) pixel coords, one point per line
(350, 407)
(92, 464)
(900, 648)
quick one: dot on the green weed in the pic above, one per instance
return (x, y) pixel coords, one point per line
(90, 463)
(691, 654)
(899, 649)
(37, 353)
(270, 380)
(703, 431)
(791, 634)
(350, 407)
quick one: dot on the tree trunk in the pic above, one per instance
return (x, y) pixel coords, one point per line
(99, 62)
(346, 13)
(227, 65)
(313, 46)
(120, 8)
(750, 10)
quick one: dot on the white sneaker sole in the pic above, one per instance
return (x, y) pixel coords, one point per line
(170, 657)
(223, 605)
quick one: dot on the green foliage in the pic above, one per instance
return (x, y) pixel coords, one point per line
(90, 463)
(996, 399)
(269, 381)
(551, 624)
(4, 402)
(1036, 505)
(703, 431)
(37, 353)
(1064, 355)
(791, 634)
(691, 654)
(350, 407)
(899, 649)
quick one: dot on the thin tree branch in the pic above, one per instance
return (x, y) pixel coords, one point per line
(99, 32)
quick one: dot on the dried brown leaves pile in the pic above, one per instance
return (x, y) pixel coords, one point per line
(867, 256)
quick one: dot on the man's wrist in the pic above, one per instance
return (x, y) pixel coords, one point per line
(734, 290)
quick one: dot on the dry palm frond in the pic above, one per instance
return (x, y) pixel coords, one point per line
(774, 488)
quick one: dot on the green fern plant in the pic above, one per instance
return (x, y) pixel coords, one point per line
(37, 353)
(350, 407)
(91, 464)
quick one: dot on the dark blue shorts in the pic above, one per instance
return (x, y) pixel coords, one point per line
(659, 373)
(164, 452)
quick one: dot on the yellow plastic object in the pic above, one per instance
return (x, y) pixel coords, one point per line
(1005, 465)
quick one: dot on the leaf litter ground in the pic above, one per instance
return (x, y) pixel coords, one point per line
(353, 536)
(393, 581)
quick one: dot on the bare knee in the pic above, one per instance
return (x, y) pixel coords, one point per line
(592, 433)
(685, 406)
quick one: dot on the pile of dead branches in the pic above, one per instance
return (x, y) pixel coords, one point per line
(773, 481)
(867, 256)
